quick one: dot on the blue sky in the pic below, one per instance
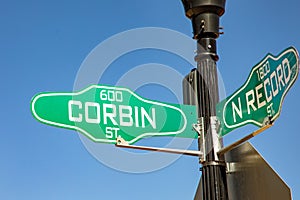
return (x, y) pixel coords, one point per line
(43, 46)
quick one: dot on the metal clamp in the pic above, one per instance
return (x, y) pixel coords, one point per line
(214, 163)
(199, 128)
(217, 139)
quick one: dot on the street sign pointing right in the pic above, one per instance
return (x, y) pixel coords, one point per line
(260, 99)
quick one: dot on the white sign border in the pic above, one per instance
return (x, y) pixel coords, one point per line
(109, 88)
(290, 49)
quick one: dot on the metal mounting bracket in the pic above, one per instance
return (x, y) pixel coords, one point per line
(122, 143)
(199, 128)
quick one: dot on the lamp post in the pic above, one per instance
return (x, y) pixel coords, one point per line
(205, 16)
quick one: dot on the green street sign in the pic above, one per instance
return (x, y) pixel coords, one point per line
(260, 99)
(104, 113)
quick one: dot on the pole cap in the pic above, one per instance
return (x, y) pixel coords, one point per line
(205, 16)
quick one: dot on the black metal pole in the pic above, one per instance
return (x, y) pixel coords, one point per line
(205, 16)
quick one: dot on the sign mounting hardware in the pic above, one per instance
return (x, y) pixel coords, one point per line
(122, 143)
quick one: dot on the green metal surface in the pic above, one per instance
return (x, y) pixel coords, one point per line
(103, 113)
(260, 99)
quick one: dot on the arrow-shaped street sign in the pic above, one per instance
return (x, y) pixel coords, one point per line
(104, 113)
(260, 99)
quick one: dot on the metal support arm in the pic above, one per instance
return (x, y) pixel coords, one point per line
(244, 139)
(122, 143)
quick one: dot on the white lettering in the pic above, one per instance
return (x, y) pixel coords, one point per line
(250, 101)
(73, 118)
(125, 115)
(144, 115)
(111, 95)
(280, 77)
(273, 79)
(111, 132)
(136, 116)
(237, 110)
(287, 74)
(111, 115)
(88, 119)
(268, 97)
(259, 96)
